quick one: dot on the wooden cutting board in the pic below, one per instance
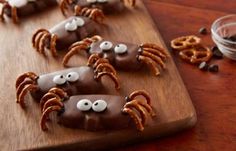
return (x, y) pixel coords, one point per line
(20, 129)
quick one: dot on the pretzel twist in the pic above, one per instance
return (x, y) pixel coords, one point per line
(196, 55)
(185, 42)
(93, 13)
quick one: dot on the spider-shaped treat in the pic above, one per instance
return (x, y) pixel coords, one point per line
(107, 6)
(20, 8)
(121, 55)
(73, 81)
(99, 112)
(67, 32)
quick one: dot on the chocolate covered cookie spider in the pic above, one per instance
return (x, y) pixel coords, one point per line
(107, 6)
(20, 8)
(62, 35)
(121, 55)
(99, 112)
(73, 81)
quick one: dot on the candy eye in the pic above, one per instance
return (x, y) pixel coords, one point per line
(79, 21)
(91, 1)
(99, 105)
(59, 79)
(101, 1)
(106, 45)
(18, 3)
(71, 26)
(72, 76)
(121, 49)
(84, 105)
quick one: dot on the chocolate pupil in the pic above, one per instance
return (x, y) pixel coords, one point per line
(96, 103)
(61, 76)
(86, 103)
(69, 75)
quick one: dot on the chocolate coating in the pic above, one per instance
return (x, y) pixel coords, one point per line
(108, 7)
(32, 7)
(124, 61)
(111, 118)
(84, 85)
(66, 38)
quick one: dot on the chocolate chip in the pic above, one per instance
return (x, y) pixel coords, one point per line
(213, 68)
(214, 48)
(203, 31)
(203, 66)
(217, 54)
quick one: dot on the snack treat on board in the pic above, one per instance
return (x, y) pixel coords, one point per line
(16, 9)
(99, 112)
(121, 55)
(67, 32)
(80, 80)
(107, 6)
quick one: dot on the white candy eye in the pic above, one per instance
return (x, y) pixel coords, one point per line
(121, 49)
(84, 105)
(106, 45)
(72, 76)
(99, 105)
(71, 26)
(17, 3)
(101, 1)
(79, 21)
(59, 79)
(91, 1)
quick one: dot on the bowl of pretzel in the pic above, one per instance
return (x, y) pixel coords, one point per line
(224, 35)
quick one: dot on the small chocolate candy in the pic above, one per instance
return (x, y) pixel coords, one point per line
(203, 66)
(203, 31)
(213, 68)
(217, 53)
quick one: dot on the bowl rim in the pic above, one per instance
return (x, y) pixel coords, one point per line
(217, 35)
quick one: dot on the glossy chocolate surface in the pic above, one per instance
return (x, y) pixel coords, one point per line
(111, 118)
(66, 38)
(86, 84)
(124, 61)
(32, 7)
(111, 6)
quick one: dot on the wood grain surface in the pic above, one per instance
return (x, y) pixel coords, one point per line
(213, 95)
(20, 129)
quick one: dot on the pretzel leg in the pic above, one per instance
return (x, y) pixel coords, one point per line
(155, 52)
(53, 45)
(29, 87)
(143, 93)
(47, 97)
(155, 58)
(139, 108)
(52, 102)
(103, 67)
(93, 59)
(135, 117)
(22, 77)
(36, 34)
(156, 47)
(21, 87)
(72, 52)
(14, 15)
(150, 63)
(45, 116)
(112, 76)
